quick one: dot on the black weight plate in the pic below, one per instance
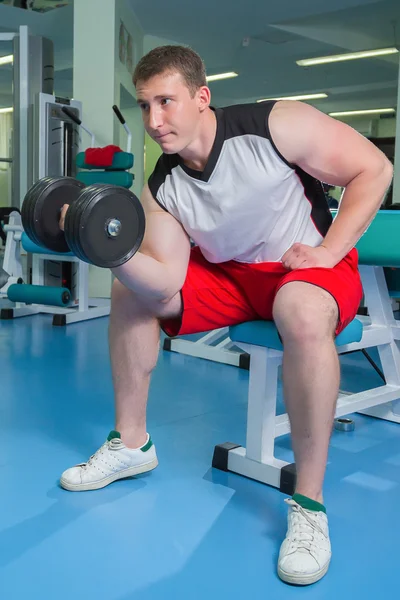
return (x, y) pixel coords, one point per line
(37, 190)
(48, 230)
(94, 244)
(46, 216)
(74, 214)
(28, 206)
(95, 193)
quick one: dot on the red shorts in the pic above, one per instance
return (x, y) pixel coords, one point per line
(224, 294)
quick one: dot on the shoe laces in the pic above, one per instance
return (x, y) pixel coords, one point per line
(303, 528)
(114, 444)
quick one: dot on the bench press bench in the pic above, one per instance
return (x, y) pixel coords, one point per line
(379, 247)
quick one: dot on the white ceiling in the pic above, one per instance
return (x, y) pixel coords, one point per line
(278, 34)
(261, 40)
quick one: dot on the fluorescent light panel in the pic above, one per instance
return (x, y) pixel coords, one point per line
(6, 60)
(300, 97)
(372, 111)
(221, 76)
(308, 62)
(6, 110)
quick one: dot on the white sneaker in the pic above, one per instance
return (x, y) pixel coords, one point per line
(112, 461)
(306, 552)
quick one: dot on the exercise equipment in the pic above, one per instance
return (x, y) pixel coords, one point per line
(118, 173)
(41, 211)
(377, 248)
(51, 273)
(56, 136)
(215, 345)
(104, 225)
(45, 143)
(4, 277)
(39, 294)
(12, 271)
(344, 424)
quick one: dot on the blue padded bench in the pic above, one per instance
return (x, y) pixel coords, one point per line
(265, 333)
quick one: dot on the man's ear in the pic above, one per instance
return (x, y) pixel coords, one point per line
(204, 97)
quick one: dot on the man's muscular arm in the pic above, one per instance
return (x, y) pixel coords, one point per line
(158, 269)
(334, 153)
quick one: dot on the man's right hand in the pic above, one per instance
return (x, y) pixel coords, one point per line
(62, 216)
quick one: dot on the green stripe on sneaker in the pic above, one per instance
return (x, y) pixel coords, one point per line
(308, 504)
(147, 446)
(112, 435)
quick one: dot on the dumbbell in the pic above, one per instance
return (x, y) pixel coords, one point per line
(104, 224)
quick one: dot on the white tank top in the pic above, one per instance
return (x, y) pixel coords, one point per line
(249, 204)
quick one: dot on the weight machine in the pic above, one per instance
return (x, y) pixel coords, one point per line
(46, 143)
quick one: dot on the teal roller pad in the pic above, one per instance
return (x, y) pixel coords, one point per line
(119, 178)
(33, 248)
(39, 294)
(380, 245)
(122, 161)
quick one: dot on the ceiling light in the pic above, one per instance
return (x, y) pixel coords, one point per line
(6, 60)
(301, 97)
(221, 76)
(308, 62)
(372, 111)
(6, 110)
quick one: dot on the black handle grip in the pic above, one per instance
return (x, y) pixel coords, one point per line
(119, 115)
(71, 115)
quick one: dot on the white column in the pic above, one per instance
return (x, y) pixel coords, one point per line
(108, 42)
(93, 78)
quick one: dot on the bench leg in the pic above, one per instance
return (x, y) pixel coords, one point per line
(257, 460)
(381, 312)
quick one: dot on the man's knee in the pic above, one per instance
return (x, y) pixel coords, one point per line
(305, 313)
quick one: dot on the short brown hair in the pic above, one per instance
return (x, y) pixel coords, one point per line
(179, 59)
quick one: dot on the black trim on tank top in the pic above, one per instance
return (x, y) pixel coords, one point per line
(163, 167)
(252, 119)
(215, 150)
(314, 192)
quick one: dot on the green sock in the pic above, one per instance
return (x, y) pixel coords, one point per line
(308, 504)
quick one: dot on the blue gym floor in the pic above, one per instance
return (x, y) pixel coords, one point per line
(185, 531)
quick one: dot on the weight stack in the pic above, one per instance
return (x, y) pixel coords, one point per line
(39, 294)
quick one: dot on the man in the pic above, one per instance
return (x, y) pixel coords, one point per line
(243, 183)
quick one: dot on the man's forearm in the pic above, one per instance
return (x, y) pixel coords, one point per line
(148, 277)
(361, 200)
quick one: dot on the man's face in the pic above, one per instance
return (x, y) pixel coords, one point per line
(170, 115)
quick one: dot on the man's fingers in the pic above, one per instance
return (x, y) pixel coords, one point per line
(62, 216)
